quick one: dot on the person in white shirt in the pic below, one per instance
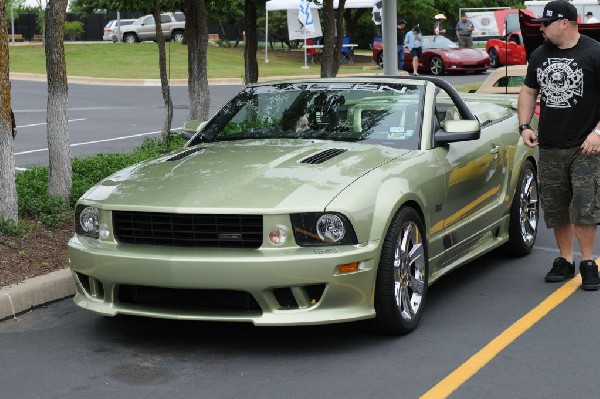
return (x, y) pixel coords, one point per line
(590, 19)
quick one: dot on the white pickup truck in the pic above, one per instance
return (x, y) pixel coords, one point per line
(144, 29)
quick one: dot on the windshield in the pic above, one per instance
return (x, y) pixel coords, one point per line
(386, 114)
(431, 42)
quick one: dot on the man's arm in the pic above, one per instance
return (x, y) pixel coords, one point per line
(526, 108)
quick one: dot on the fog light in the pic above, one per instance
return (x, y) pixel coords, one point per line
(277, 236)
(348, 267)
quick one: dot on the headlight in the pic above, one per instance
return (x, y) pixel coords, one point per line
(319, 229)
(87, 222)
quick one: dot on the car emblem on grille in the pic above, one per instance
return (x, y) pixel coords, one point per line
(230, 237)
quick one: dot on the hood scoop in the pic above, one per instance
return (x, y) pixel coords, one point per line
(184, 154)
(323, 156)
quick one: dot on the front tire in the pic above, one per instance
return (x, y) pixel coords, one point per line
(494, 58)
(436, 66)
(402, 275)
(524, 212)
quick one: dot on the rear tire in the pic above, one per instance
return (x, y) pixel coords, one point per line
(178, 36)
(402, 275)
(130, 38)
(524, 212)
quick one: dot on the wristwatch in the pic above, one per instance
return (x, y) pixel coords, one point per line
(523, 127)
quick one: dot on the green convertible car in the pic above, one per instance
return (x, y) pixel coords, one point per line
(310, 202)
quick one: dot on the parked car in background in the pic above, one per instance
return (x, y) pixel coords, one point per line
(111, 28)
(441, 55)
(507, 50)
(144, 29)
(311, 201)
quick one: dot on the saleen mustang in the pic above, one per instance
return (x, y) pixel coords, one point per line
(311, 202)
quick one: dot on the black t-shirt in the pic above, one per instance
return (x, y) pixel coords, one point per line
(569, 84)
(400, 37)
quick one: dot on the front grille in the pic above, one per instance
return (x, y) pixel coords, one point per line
(183, 230)
(198, 300)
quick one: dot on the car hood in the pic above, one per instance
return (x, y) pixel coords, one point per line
(269, 175)
(462, 53)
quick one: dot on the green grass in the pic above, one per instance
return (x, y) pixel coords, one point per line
(140, 60)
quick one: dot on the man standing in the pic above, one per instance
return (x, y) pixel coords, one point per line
(590, 19)
(401, 25)
(565, 70)
(464, 32)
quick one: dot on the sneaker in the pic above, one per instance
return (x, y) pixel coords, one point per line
(561, 270)
(590, 281)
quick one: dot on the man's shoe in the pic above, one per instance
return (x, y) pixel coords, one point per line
(561, 270)
(590, 281)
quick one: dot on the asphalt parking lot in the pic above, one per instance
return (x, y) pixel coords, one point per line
(491, 329)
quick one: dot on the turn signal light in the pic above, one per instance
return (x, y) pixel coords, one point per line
(348, 267)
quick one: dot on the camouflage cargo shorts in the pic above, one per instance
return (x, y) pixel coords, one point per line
(569, 186)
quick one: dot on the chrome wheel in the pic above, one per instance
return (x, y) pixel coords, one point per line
(129, 39)
(436, 66)
(528, 209)
(409, 271)
(524, 212)
(402, 274)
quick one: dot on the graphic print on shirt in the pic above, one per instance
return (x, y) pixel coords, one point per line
(561, 80)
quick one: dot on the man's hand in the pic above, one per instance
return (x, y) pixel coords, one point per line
(530, 138)
(591, 145)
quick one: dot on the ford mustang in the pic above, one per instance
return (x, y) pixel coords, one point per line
(310, 202)
(441, 55)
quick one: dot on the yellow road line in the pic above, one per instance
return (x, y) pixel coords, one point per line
(469, 368)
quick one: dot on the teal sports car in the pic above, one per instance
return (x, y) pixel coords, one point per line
(310, 202)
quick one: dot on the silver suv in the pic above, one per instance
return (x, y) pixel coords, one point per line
(111, 31)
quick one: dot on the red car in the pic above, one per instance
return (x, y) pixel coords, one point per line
(441, 55)
(508, 50)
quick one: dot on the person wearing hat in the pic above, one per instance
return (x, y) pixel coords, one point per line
(464, 32)
(590, 19)
(438, 29)
(565, 72)
(400, 43)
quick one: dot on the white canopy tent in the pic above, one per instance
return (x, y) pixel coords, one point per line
(278, 5)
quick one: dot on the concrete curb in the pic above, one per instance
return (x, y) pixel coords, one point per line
(34, 292)
(85, 80)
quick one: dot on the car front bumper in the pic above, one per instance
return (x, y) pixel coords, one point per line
(292, 286)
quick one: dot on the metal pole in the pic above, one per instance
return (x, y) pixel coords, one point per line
(390, 41)
(12, 21)
(119, 26)
(267, 36)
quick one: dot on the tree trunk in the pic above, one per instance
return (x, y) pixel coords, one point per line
(59, 167)
(196, 30)
(251, 65)
(328, 27)
(164, 78)
(8, 190)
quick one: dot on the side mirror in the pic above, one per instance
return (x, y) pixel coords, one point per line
(462, 130)
(190, 128)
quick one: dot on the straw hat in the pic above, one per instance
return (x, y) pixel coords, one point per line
(440, 16)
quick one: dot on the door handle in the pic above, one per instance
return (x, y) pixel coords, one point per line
(495, 149)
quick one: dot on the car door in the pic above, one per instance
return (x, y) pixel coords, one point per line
(473, 174)
(147, 30)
